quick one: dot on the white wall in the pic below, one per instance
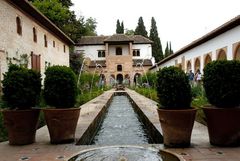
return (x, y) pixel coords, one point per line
(145, 51)
(13, 45)
(91, 51)
(226, 39)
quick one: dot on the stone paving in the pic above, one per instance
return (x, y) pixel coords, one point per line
(42, 150)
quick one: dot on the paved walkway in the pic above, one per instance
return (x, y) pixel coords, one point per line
(42, 150)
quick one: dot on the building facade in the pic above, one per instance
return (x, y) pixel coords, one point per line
(29, 38)
(221, 43)
(117, 58)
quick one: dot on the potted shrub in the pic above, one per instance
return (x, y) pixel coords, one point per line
(222, 86)
(21, 92)
(60, 93)
(175, 113)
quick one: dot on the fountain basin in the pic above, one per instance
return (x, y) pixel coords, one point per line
(124, 153)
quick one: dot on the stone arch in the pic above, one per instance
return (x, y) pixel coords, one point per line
(197, 65)
(207, 59)
(222, 55)
(120, 78)
(127, 79)
(189, 66)
(136, 76)
(237, 53)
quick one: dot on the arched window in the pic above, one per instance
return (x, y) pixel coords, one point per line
(237, 53)
(197, 65)
(189, 66)
(34, 34)
(119, 68)
(134, 53)
(118, 51)
(222, 55)
(45, 40)
(207, 60)
(19, 26)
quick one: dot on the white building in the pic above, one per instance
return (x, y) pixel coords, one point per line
(119, 56)
(221, 43)
(28, 37)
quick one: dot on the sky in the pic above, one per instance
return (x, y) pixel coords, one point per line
(178, 21)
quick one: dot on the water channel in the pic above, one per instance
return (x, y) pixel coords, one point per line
(121, 125)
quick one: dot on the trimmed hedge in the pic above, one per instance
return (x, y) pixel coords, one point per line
(222, 83)
(173, 88)
(21, 87)
(60, 88)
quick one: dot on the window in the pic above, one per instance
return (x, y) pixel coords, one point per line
(34, 34)
(64, 48)
(35, 62)
(119, 68)
(45, 40)
(54, 44)
(19, 26)
(136, 52)
(101, 53)
(118, 51)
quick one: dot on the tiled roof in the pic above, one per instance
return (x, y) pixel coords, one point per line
(116, 38)
(139, 39)
(39, 17)
(216, 32)
(138, 62)
(92, 40)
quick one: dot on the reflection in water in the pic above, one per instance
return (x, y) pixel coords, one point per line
(121, 125)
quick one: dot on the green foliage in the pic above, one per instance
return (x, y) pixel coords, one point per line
(141, 29)
(156, 46)
(60, 88)
(54, 10)
(119, 27)
(76, 62)
(151, 93)
(3, 131)
(197, 90)
(222, 83)
(168, 50)
(59, 13)
(87, 81)
(129, 32)
(21, 87)
(151, 78)
(173, 88)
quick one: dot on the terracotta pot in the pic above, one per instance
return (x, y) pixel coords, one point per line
(61, 124)
(21, 125)
(177, 126)
(223, 126)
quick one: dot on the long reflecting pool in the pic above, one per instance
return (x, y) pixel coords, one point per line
(121, 125)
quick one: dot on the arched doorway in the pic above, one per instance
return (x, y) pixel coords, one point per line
(197, 65)
(189, 66)
(136, 78)
(207, 60)
(112, 79)
(120, 78)
(237, 53)
(222, 55)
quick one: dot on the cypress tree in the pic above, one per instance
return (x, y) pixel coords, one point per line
(166, 51)
(170, 48)
(122, 28)
(156, 46)
(140, 29)
(118, 27)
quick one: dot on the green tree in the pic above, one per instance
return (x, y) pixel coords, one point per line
(156, 46)
(122, 28)
(140, 29)
(170, 48)
(76, 62)
(129, 32)
(90, 27)
(118, 27)
(167, 53)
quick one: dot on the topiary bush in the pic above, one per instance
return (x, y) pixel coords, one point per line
(21, 87)
(60, 88)
(173, 88)
(222, 83)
